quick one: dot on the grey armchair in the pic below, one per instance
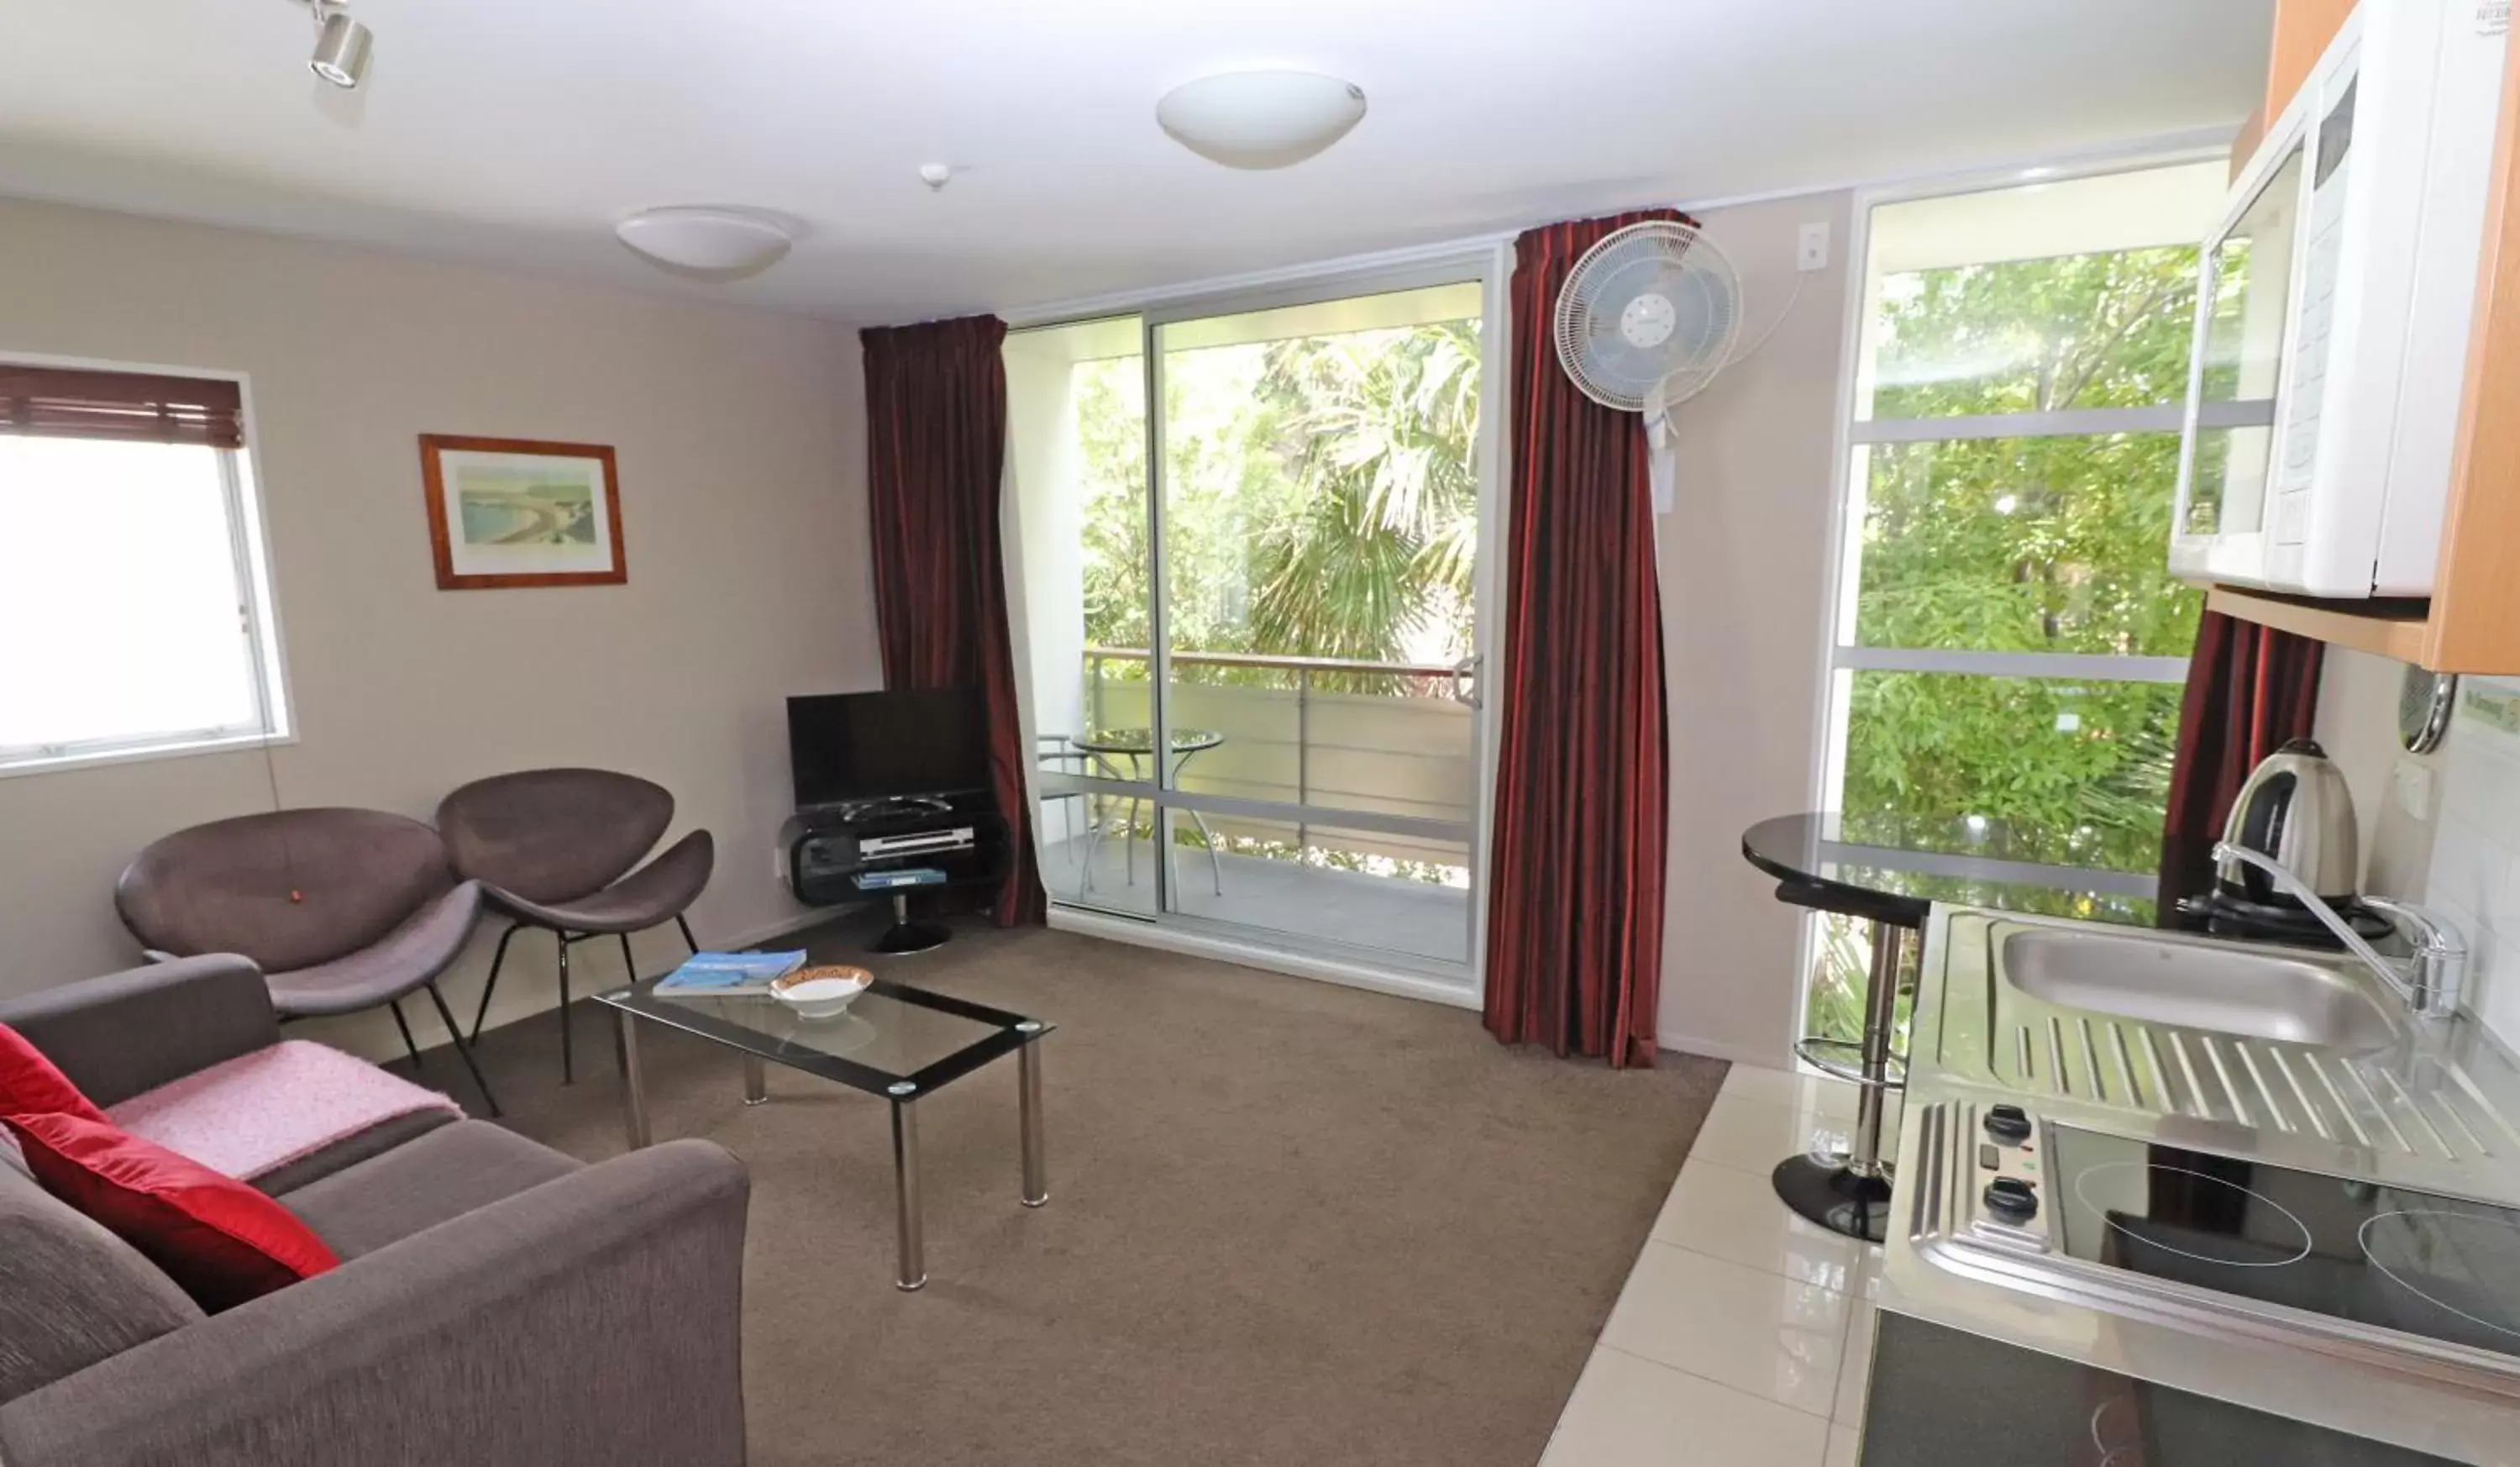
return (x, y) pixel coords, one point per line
(343, 909)
(553, 850)
(479, 1270)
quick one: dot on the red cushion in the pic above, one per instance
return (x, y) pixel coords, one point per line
(221, 1241)
(31, 1084)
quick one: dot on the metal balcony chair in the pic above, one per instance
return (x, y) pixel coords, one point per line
(553, 850)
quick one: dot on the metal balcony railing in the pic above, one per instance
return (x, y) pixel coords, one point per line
(1324, 689)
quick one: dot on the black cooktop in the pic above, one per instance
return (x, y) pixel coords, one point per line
(2440, 1267)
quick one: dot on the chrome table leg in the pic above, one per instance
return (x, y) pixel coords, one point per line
(1880, 1012)
(756, 1085)
(1036, 1166)
(907, 1221)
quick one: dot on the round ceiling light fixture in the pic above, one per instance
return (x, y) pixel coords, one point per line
(726, 244)
(1260, 119)
(341, 46)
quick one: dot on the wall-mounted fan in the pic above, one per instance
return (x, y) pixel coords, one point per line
(1645, 320)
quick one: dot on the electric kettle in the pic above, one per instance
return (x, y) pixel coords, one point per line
(2295, 808)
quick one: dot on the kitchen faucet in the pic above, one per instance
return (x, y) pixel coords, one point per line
(2430, 982)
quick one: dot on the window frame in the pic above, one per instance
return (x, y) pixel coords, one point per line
(249, 565)
(1839, 656)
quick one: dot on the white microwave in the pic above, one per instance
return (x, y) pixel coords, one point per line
(2332, 314)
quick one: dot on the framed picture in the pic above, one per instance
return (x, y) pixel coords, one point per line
(510, 511)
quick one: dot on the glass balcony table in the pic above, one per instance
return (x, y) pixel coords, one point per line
(893, 1041)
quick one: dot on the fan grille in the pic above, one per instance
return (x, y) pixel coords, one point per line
(1651, 313)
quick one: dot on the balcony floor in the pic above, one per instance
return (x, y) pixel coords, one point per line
(1410, 917)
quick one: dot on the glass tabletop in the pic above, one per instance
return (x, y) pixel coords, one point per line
(890, 1037)
(1894, 867)
(1143, 741)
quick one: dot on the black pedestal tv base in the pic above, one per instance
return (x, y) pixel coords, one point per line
(906, 935)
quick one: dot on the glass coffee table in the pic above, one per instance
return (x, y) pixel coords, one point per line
(894, 1041)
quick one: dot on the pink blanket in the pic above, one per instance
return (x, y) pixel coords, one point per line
(260, 1112)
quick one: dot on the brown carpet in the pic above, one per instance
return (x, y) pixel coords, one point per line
(1289, 1222)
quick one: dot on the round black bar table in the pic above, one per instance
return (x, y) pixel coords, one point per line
(1889, 871)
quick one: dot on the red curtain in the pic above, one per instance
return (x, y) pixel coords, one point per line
(936, 444)
(2249, 689)
(1576, 910)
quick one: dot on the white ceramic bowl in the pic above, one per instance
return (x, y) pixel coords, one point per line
(821, 992)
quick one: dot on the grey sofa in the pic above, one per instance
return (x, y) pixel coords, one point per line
(498, 1304)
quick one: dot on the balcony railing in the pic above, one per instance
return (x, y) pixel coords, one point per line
(1326, 733)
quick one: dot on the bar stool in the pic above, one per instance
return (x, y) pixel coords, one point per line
(1846, 1192)
(1849, 1192)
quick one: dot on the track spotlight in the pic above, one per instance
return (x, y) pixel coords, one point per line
(341, 46)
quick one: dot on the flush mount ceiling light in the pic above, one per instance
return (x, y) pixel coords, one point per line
(341, 45)
(721, 242)
(1260, 119)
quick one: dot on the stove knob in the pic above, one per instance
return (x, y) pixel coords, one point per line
(2008, 1122)
(2011, 1199)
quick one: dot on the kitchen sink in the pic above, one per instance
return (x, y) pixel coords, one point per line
(2197, 986)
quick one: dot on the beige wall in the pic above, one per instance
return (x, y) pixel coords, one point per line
(1745, 566)
(741, 462)
(2358, 725)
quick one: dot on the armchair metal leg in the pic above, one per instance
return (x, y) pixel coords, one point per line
(408, 1042)
(687, 940)
(454, 1031)
(629, 965)
(491, 986)
(567, 1048)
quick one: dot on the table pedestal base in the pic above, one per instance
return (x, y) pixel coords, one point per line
(1832, 1194)
(906, 935)
(1849, 1192)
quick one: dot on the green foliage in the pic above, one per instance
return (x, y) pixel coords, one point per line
(1380, 433)
(1322, 498)
(1111, 448)
(2049, 544)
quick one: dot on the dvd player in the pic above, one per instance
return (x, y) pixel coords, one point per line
(915, 843)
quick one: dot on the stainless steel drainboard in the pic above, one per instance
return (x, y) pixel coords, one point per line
(2041, 1049)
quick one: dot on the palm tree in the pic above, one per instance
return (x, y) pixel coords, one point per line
(1379, 435)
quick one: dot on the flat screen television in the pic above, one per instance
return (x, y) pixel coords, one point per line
(848, 748)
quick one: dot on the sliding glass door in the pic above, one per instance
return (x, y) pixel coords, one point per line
(1254, 668)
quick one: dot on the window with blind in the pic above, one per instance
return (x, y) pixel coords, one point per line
(135, 607)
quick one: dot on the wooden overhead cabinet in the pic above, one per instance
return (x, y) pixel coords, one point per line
(2472, 621)
(2303, 29)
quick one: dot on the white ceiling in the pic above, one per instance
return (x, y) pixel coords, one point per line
(520, 130)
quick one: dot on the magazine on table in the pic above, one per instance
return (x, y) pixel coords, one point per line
(730, 974)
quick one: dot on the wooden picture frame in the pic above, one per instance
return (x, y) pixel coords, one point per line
(516, 512)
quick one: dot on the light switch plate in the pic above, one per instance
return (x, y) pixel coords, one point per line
(1812, 252)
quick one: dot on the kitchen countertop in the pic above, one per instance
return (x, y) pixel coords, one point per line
(2410, 1404)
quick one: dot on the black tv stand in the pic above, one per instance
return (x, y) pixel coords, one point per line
(837, 847)
(875, 812)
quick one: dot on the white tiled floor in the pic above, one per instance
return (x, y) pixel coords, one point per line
(1744, 1335)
